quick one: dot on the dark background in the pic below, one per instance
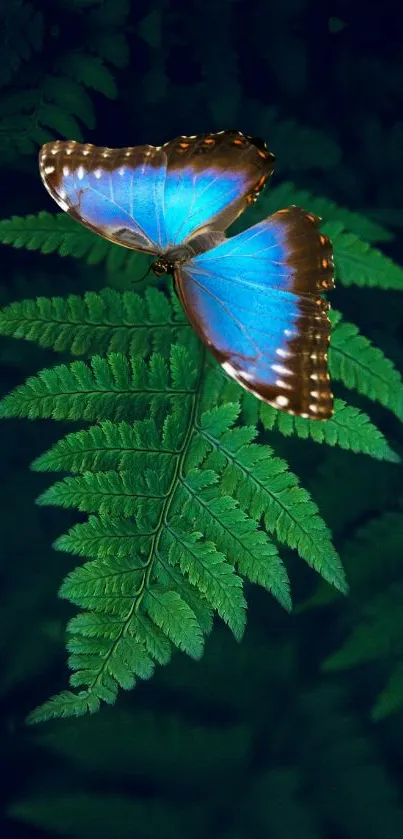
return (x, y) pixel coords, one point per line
(262, 739)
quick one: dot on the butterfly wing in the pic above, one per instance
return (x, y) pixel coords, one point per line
(211, 178)
(255, 300)
(153, 198)
(118, 193)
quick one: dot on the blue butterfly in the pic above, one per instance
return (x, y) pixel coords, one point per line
(255, 299)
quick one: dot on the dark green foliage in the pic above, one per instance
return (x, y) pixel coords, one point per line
(53, 89)
(297, 730)
(183, 500)
(191, 764)
(374, 633)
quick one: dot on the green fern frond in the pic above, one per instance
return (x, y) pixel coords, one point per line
(207, 570)
(263, 486)
(121, 446)
(66, 704)
(357, 263)
(234, 533)
(194, 498)
(127, 322)
(170, 546)
(360, 365)
(58, 233)
(142, 449)
(110, 493)
(348, 428)
(113, 387)
(288, 193)
(182, 501)
(97, 323)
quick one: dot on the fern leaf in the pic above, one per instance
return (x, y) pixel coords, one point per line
(66, 704)
(50, 233)
(121, 446)
(110, 387)
(236, 535)
(98, 323)
(349, 428)
(110, 493)
(360, 365)
(152, 577)
(107, 585)
(357, 263)
(263, 486)
(176, 619)
(209, 572)
(288, 193)
(170, 577)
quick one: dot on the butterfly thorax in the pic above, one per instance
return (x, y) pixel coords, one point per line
(172, 258)
(167, 263)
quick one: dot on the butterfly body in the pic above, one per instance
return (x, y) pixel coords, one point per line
(254, 299)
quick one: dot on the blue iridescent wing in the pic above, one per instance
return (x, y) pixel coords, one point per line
(255, 300)
(153, 198)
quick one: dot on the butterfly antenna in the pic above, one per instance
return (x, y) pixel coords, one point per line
(140, 280)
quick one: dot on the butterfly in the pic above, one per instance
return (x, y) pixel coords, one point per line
(254, 299)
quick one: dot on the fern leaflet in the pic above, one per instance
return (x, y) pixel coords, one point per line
(357, 263)
(360, 365)
(348, 428)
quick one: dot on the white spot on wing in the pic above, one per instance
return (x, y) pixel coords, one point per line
(80, 173)
(229, 369)
(282, 401)
(49, 170)
(60, 200)
(279, 368)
